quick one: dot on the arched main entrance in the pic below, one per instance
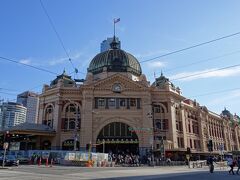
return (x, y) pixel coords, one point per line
(117, 137)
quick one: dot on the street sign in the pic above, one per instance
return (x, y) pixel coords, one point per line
(221, 147)
(5, 145)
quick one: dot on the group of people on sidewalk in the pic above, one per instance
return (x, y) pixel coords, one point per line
(230, 162)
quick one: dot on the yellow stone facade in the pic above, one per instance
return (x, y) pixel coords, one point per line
(157, 113)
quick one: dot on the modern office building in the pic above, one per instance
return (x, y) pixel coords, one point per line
(105, 45)
(30, 100)
(117, 109)
(12, 114)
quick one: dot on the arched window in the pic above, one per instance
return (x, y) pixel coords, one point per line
(158, 109)
(72, 124)
(158, 125)
(72, 119)
(48, 118)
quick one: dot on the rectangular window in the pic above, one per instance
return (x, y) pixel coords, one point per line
(122, 102)
(180, 126)
(182, 143)
(111, 102)
(128, 103)
(117, 103)
(106, 107)
(138, 103)
(190, 143)
(178, 141)
(195, 144)
(133, 102)
(101, 102)
(177, 126)
(165, 124)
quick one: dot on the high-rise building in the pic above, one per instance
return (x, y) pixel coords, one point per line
(29, 100)
(1, 115)
(12, 114)
(106, 44)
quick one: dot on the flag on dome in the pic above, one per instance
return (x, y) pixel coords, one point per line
(116, 20)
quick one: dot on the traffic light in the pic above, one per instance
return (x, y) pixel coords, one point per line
(188, 150)
(7, 137)
(210, 145)
(87, 147)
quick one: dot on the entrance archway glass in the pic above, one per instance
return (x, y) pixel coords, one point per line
(117, 137)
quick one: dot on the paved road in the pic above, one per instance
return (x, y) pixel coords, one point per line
(132, 173)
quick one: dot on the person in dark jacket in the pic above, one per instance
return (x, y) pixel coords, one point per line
(210, 164)
(238, 164)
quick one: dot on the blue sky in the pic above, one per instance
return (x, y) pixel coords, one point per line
(148, 28)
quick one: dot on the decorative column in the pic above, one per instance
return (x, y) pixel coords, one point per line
(184, 119)
(172, 124)
(86, 134)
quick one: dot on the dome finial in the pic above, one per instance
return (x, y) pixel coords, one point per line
(64, 71)
(114, 43)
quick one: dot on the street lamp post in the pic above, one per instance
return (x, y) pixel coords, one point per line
(103, 146)
(151, 115)
(76, 126)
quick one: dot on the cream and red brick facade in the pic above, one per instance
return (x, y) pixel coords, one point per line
(158, 113)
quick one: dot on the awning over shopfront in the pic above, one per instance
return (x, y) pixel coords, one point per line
(31, 129)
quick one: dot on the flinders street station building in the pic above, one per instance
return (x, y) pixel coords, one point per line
(116, 109)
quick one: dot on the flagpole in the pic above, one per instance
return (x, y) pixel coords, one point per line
(114, 27)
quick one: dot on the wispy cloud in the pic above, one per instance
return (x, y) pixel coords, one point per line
(25, 61)
(230, 97)
(57, 61)
(207, 73)
(150, 54)
(156, 64)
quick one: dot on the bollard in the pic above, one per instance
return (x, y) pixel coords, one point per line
(51, 163)
(47, 162)
(39, 161)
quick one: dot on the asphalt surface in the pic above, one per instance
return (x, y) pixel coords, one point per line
(30, 172)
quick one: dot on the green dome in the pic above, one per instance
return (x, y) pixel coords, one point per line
(115, 60)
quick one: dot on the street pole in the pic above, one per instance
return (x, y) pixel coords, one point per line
(152, 156)
(4, 155)
(89, 151)
(76, 125)
(103, 146)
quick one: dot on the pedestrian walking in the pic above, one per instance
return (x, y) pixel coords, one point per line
(231, 165)
(238, 165)
(210, 164)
